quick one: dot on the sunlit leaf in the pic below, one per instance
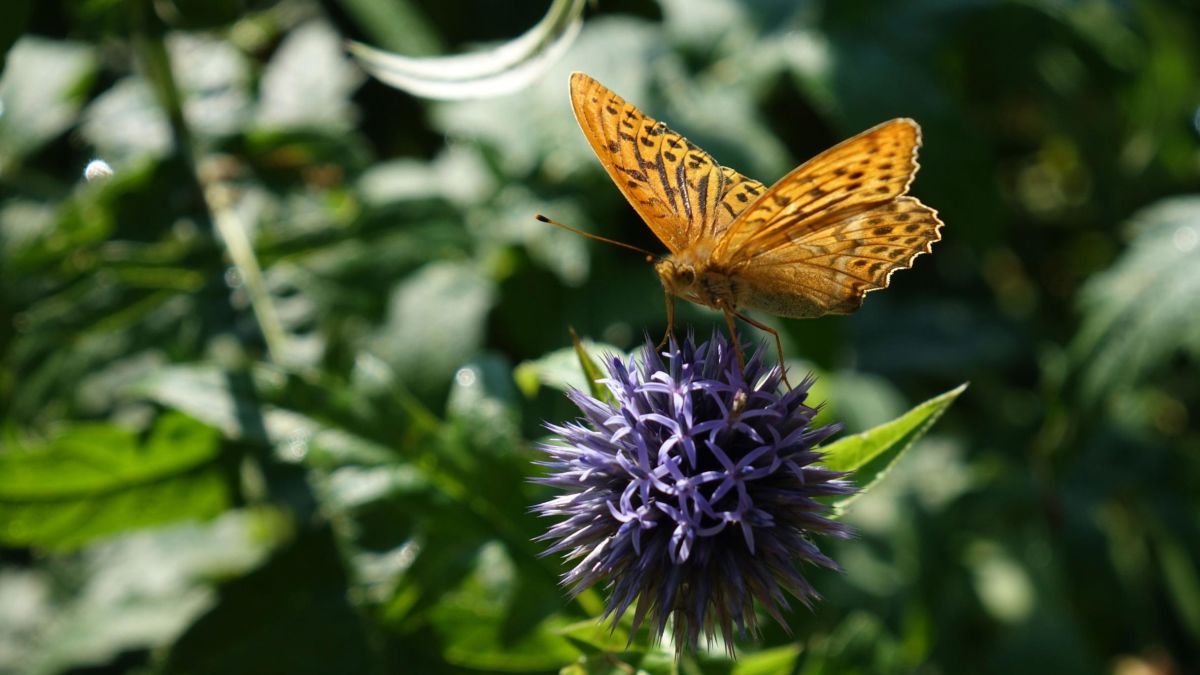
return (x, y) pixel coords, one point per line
(592, 371)
(537, 126)
(483, 402)
(40, 94)
(142, 590)
(561, 369)
(228, 401)
(779, 660)
(871, 453)
(597, 636)
(308, 81)
(1143, 309)
(94, 480)
(435, 322)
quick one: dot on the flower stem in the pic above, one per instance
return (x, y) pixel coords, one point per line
(217, 197)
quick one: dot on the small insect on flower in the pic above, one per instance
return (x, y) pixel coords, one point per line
(694, 493)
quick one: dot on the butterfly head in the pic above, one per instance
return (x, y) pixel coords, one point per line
(697, 281)
(679, 278)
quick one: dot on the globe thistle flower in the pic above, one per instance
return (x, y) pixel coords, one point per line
(694, 493)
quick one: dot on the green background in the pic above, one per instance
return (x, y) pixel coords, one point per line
(337, 482)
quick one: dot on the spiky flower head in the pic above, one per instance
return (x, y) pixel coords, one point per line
(693, 493)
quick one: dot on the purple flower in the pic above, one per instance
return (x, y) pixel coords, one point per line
(694, 493)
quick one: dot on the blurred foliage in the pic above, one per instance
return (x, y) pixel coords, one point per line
(268, 394)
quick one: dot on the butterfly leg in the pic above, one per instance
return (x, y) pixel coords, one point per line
(774, 333)
(737, 344)
(670, 319)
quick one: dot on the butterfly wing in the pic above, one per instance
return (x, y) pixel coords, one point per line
(871, 168)
(677, 188)
(738, 192)
(834, 229)
(830, 269)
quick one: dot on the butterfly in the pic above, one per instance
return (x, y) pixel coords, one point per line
(814, 243)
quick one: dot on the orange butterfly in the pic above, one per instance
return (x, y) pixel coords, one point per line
(815, 243)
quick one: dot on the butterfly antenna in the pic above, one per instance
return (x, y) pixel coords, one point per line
(589, 235)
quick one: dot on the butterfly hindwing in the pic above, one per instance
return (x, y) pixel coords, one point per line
(829, 269)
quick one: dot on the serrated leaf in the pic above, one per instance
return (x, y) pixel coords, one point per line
(97, 479)
(870, 454)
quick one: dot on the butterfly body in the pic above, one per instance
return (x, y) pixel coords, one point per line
(699, 279)
(814, 243)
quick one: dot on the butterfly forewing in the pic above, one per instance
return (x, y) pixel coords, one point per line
(739, 192)
(677, 188)
(871, 168)
(829, 269)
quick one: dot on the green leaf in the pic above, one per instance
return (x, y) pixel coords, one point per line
(482, 403)
(42, 92)
(1180, 577)
(228, 401)
(309, 81)
(1142, 310)
(13, 17)
(293, 615)
(396, 24)
(777, 660)
(526, 129)
(473, 620)
(591, 371)
(562, 369)
(136, 591)
(436, 320)
(593, 636)
(596, 636)
(96, 479)
(870, 454)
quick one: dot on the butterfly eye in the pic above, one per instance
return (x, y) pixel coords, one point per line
(687, 275)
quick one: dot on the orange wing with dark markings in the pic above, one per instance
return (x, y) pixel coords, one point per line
(833, 229)
(677, 188)
(814, 243)
(874, 167)
(829, 269)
